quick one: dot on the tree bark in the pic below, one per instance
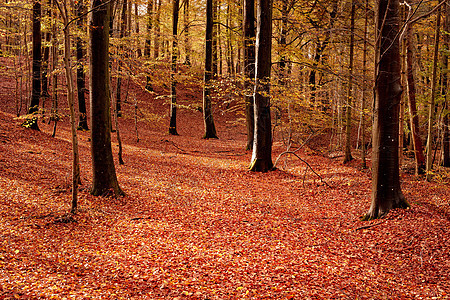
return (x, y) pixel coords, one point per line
(104, 173)
(386, 190)
(249, 68)
(445, 118)
(82, 122)
(36, 67)
(173, 104)
(262, 145)
(148, 85)
(210, 129)
(187, 43)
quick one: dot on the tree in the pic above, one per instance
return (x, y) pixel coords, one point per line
(173, 103)
(82, 123)
(249, 67)
(148, 85)
(432, 106)
(37, 66)
(348, 110)
(386, 190)
(210, 129)
(445, 118)
(262, 144)
(103, 169)
(70, 101)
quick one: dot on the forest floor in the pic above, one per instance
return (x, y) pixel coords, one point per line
(196, 224)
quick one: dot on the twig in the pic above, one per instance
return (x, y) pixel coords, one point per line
(369, 226)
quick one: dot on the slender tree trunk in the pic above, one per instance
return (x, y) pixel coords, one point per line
(157, 29)
(215, 44)
(37, 66)
(148, 40)
(445, 118)
(173, 104)
(210, 129)
(104, 173)
(283, 41)
(348, 117)
(137, 29)
(82, 122)
(364, 91)
(262, 145)
(249, 68)
(431, 112)
(386, 190)
(70, 101)
(46, 57)
(187, 43)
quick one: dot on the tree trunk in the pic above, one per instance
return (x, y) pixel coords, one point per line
(37, 65)
(173, 104)
(187, 44)
(104, 173)
(262, 145)
(157, 36)
(148, 39)
(364, 91)
(210, 129)
(215, 38)
(348, 111)
(431, 112)
(283, 41)
(445, 118)
(386, 191)
(82, 123)
(249, 68)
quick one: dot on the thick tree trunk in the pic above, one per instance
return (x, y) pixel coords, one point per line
(386, 191)
(249, 68)
(104, 173)
(210, 129)
(262, 145)
(173, 104)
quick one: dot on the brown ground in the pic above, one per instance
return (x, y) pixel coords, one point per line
(195, 224)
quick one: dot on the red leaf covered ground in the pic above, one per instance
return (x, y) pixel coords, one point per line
(195, 224)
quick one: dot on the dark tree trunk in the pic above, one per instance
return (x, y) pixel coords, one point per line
(262, 145)
(283, 41)
(386, 191)
(249, 68)
(37, 66)
(173, 104)
(82, 122)
(210, 129)
(104, 173)
(46, 56)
